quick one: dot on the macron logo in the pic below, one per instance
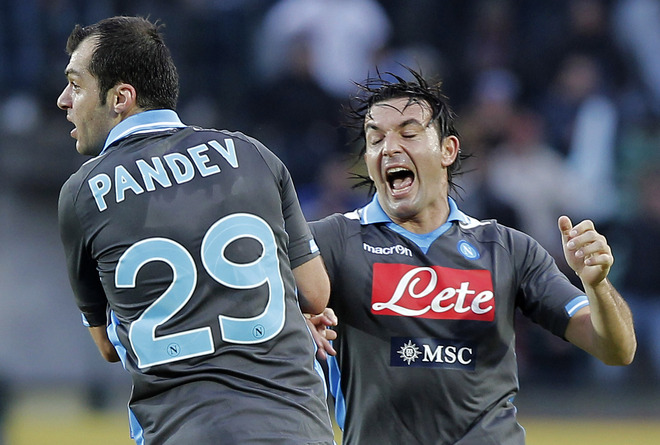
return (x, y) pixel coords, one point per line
(398, 250)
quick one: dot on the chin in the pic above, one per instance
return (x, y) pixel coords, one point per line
(401, 210)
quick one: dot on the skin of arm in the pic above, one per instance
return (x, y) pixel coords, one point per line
(107, 350)
(605, 328)
(313, 293)
(313, 285)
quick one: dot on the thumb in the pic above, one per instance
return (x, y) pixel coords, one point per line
(565, 225)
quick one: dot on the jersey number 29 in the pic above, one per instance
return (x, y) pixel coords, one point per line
(153, 350)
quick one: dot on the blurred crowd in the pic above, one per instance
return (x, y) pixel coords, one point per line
(558, 102)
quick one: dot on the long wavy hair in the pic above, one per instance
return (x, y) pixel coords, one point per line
(386, 86)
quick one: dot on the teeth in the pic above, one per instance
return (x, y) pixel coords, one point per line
(396, 170)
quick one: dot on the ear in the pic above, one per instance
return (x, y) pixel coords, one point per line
(450, 149)
(124, 99)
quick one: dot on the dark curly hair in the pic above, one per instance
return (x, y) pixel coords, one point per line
(386, 86)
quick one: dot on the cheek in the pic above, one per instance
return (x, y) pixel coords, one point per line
(371, 163)
(435, 148)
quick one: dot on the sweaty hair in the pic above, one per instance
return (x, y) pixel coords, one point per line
(418, 90)
(131, 50)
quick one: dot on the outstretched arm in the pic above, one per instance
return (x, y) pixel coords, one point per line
(604, 328)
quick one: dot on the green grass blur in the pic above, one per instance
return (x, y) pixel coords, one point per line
(61, 418)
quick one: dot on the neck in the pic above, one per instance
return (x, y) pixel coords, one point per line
(427, 220)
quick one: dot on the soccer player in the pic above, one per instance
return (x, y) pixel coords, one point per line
(426, 295)
(185, 248)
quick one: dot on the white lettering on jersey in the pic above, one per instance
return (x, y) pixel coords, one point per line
(178, 168)
(432, 292)
(447, 354)
(434, 353)
(398, 249)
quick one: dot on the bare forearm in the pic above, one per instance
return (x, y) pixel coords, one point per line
(613, 324)
(606, 330)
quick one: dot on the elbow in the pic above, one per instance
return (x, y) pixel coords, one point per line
(629, 356)
(314, 302)
(110, 355)
(622, 357)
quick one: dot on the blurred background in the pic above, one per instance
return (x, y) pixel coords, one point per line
(558, 101)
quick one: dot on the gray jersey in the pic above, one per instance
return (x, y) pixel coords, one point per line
(189, 237)
(426, 325)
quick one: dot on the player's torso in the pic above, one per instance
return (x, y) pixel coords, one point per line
(188, 232)
(439, 323)
(163, 206)
(460, 289)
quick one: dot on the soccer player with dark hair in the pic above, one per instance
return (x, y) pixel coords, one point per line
(426, 295)
(188, 255)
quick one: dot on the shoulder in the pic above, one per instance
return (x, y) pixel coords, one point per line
(344, 223)
(237, 137)
(489, 230)
(514, 244)
(74, 183)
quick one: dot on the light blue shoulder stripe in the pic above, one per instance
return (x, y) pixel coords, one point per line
(576, 304)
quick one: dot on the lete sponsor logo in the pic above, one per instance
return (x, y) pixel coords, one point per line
(432, 292)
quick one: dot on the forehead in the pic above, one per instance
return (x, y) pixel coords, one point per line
(80, 59)
(398, 110)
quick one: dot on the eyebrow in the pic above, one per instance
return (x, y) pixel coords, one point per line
(411, 121)
(72, 72)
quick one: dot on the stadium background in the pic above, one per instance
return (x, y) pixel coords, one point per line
(531, 81)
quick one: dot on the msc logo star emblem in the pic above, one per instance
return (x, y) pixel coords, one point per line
(409, 352)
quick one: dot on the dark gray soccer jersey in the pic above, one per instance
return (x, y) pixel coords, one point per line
(189, 237)
(426, 325)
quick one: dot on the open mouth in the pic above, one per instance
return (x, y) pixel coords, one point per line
(399, 178)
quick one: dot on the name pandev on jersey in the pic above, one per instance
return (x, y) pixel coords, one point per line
(426, 325)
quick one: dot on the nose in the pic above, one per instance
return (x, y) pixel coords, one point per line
(391, 146)
(64, 100)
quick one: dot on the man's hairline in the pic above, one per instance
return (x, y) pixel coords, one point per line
(412, 99)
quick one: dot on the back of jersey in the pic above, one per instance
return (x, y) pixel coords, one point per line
(194, 234)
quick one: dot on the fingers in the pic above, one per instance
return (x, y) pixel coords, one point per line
(565, 224)
(581, 233)
(329, 317)
(585, 242)
(323, 336)
(324, 345)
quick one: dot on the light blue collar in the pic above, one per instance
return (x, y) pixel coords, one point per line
(373, 213)
(151, 120)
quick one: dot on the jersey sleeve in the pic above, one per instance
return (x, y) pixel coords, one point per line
(83, 275)
(329, 235)
(301, 244)
(547, 294)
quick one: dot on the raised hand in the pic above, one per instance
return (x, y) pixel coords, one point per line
(586, 250)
